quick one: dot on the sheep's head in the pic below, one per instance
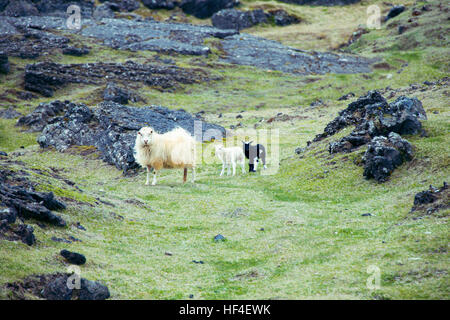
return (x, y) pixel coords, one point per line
(145, 136)
(218, 147)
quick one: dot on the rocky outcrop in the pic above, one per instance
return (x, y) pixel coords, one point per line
(118, 94)
(281, 18)
(432, 200)
(45, 77)
(395, 11)
(383, 155)
(74, 51)
(206, 8)
(4, 63)
(244, 49)
(39, 118)
(9, 113)
(18, 199)
(124, 5)
(55, 287)
(322, 2)
(160, 4)
(372, 116)
(112, 129)
(124, 34)
(20, 8)
(237, 19)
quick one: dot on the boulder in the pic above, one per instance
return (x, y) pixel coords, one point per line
(383, 155)
(92, 290)
(73, 257)
(237, 19)
(395, 11)
(104, 10)
(124, 5)
(160, 4)
(39, 118)
(9, 113)
(57, 289)
(282, 18)
(20, 8)
(4, 63)
(74, 51)
(116, 94)
(206, 8)
(321, 2)
(432, 200)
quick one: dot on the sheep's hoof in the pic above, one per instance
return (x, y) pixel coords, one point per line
(147, 183)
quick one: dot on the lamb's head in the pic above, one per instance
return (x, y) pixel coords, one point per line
(145, 136)
(218, 147)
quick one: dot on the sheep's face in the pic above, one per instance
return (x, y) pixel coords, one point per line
(246, 145)
(145, 135)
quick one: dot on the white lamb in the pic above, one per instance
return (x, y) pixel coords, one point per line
(228, 156)
(174, 149)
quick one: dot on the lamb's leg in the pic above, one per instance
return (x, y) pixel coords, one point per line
(193, 174)
(228, 169)
(184, 175)
(223, 168)
(233, 163)
(255, 161)
(154, 177)
(149, 169)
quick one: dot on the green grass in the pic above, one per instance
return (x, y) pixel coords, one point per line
(297, 234)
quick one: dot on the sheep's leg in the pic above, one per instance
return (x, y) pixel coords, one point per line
(193, 174)
(228, 169)
(184, 175)
(233, 163)
(223, 168)
(149, 169)
(154, 177)
(255, 161)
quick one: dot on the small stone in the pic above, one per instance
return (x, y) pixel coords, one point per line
(219, 237)
(73, 257)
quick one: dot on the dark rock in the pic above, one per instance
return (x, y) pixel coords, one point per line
(74, 51)
(62, 240)
(124, 5)
(39, 118)
(432, 200)
(198, 261)
(160, 4)
(219, 237)
(238, 20)
(206, 8)
(8, 214)
(4, 63)
(282, 18)
(116, 94)
(244, 49)
(103, 11)
(366, 215)
(373, 116)
(402, 28)
(79, 226)
(92, 290)
(45, 77)
(112, 129)
(9, 113)
(25, 232)
(73, 257)
(346, 96)
(58, 286)
(383, 155)
(20, 8)
(58, 289)
(321, 2)
(3, 4)
(58, 8)
(395, 11)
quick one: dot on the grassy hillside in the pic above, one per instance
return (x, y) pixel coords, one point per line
(296, 234)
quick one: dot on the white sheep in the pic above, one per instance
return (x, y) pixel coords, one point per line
(174, 149)
(228, 156)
